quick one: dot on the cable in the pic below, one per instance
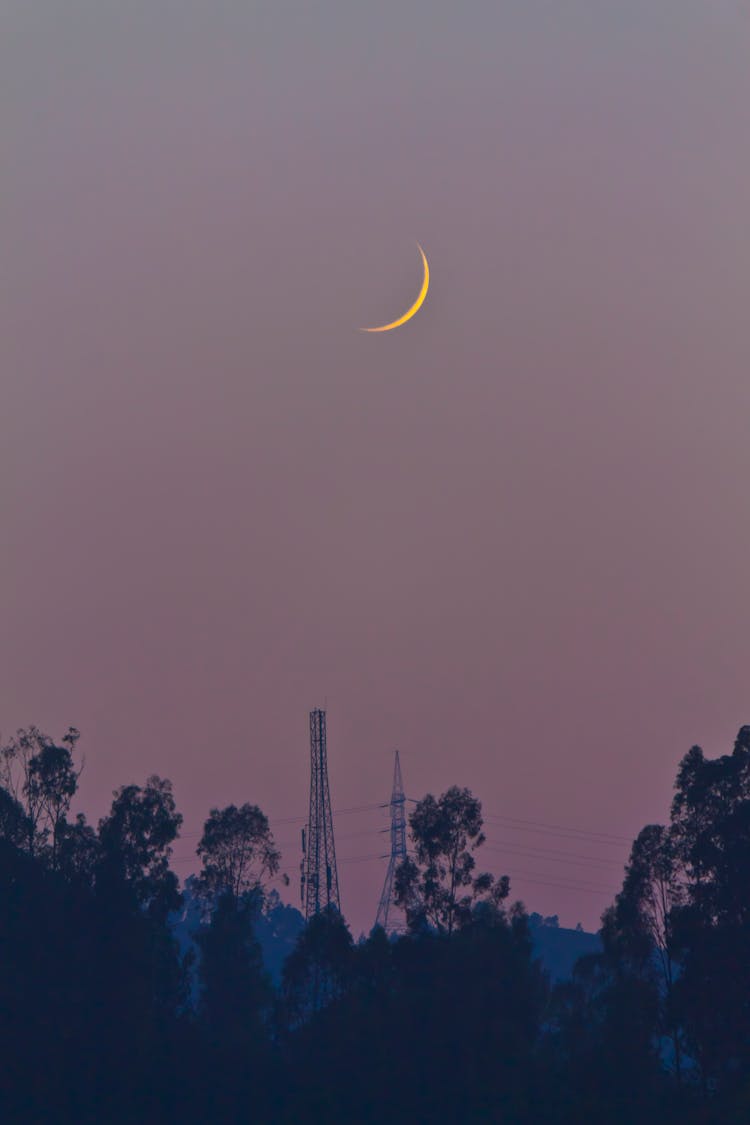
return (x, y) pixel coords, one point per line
(359, 858)
(598, 837)
(544, 853)
(581, 836)
(566, 887)
(512, 823)
(336, 812)
(493, 844)
(301, 819)
(343, 859)
(343, 836)
(572, 884)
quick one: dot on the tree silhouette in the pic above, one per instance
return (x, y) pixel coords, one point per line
(319, 968)
(43, 779)
(711, 830)
(51, 786)
(237, 851)
(136, 844)
(14, 823)
(639, 928)
(453, 1022)
(440, 889)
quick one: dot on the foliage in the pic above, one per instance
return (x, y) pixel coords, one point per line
(14, 823)
(318, 969)
(136, 839)
(440, 889)
(235, 991)
(41, 777)
(237, 851)
(711, 827)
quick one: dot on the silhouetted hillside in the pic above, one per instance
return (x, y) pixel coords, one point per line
(276, 929)
(558, 948)
(279, 925)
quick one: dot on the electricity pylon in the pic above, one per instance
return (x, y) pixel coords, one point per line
(320, 881)
(391, 916)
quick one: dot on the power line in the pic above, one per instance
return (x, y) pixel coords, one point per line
(573, 882)
(516, 874)
(301, 819)
(579, 835)
(499, 846)
(544, 853)
(361, 858)
(346, 859)
(600, 837)
(567, 887)
(344, 836)
(512, 823)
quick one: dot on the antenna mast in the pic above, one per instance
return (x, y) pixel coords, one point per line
(320, 881)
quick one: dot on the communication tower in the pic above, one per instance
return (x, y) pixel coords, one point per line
(320, 881)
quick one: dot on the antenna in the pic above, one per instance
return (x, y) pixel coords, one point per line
(320, 881)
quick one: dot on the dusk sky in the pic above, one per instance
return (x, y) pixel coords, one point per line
(510, 538)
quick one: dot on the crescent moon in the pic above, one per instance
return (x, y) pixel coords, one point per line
(410, 312)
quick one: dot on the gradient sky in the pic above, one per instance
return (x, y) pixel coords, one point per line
(511, 538)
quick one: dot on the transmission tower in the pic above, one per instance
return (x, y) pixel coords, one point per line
(320, 881)
(391, 916)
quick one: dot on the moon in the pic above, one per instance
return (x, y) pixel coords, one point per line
(410, 312)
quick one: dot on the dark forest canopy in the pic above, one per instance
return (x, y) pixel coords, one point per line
(105, 1016)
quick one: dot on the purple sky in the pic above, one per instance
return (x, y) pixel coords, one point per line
(511, 538)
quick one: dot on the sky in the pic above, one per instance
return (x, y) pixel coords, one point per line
(509, 538)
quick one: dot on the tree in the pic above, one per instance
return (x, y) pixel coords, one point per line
(677, 939)
(440, 890)
(235, 990)
(237, 851)
(79, 852)
(42, 777)
(140, 975)
(14, 824)
(711, 927)
(233, 1005)
(711, 827)
(136, 841)
(51, 786)
(639, 927)
(600, 1043)
(49, 956)
(319, 968)
(428, 1028)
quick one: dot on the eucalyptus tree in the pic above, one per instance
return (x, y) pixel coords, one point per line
(439, 888)
(42, 778)
(238, 852)
(136, 840)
